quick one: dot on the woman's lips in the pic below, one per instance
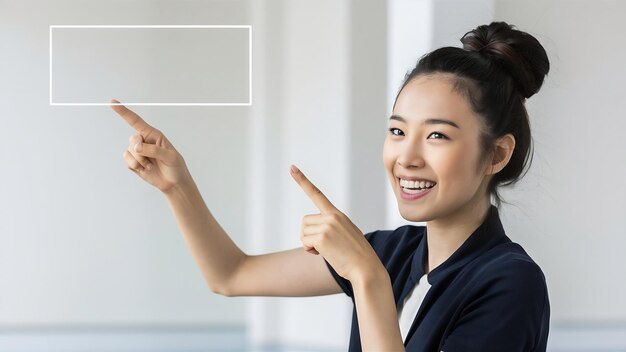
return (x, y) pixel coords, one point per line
(408, 196)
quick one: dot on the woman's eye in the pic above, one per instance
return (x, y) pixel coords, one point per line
(393, 129)
(437, 135)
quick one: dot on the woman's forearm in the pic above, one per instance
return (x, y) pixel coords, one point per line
(377, 314)
(211, 247)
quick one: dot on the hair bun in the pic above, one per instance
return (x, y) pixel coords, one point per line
(519, 53)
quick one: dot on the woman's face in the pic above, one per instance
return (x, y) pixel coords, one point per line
(434, 138)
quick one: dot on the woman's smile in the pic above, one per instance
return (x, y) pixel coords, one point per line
(413, 189)
(414, 192)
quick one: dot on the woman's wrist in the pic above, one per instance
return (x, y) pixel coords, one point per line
(371, 277)
(180, 188)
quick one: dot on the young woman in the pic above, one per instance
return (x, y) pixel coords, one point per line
(459, 130)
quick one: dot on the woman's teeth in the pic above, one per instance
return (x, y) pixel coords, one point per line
(413, 185)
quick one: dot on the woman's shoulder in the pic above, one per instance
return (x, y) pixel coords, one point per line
(508, 266)
(509, 256)
(403, 235)
(401, 231)
(503, 289)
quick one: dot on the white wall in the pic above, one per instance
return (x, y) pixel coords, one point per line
(84, 241)
(320, 94)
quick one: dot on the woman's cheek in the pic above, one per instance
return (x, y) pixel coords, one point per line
(450, 166)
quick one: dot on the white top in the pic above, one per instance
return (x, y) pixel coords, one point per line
(412, 302)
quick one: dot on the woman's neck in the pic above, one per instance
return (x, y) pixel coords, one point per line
(446, 235)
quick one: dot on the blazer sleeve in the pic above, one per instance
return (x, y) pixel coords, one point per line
(345, 285)
(511, 314)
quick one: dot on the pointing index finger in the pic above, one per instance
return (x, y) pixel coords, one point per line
(318, 198)
(134, 120)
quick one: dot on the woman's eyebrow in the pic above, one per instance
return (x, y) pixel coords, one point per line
(431, 121)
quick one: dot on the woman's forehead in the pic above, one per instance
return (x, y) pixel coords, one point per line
(432, 96)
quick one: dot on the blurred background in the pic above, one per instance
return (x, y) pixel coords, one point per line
(91, 258)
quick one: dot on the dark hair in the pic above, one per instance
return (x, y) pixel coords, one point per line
(497, 69)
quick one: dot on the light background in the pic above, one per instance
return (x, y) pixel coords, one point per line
(89, 251)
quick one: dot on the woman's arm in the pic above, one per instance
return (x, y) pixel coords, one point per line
(217, 256)
(229, 271)
(376, 312)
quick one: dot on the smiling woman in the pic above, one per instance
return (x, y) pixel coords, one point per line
(459, 129)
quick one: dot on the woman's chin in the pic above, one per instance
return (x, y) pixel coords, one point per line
(413, 214)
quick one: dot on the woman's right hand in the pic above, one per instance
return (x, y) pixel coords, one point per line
(156, 161)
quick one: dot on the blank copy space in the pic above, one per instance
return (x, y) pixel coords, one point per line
(150, 65)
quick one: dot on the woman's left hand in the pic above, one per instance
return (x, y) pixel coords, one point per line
(334, 236)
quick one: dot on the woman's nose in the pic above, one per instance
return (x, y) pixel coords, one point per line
(410, 157)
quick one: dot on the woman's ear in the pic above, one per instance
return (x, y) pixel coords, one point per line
(503, 149)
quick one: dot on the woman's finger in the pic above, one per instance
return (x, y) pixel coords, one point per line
(132, 118)
(308, 243)
(319, 199)
(314, 219)
(308, 249)
(135, 171)
(132, 163)
(132, 148)
(316, 229)
(154, 151)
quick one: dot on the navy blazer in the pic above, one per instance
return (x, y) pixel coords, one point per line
(489, 295)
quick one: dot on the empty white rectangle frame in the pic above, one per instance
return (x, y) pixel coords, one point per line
(162, 65)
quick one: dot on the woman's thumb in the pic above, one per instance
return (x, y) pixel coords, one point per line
(156, 152)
